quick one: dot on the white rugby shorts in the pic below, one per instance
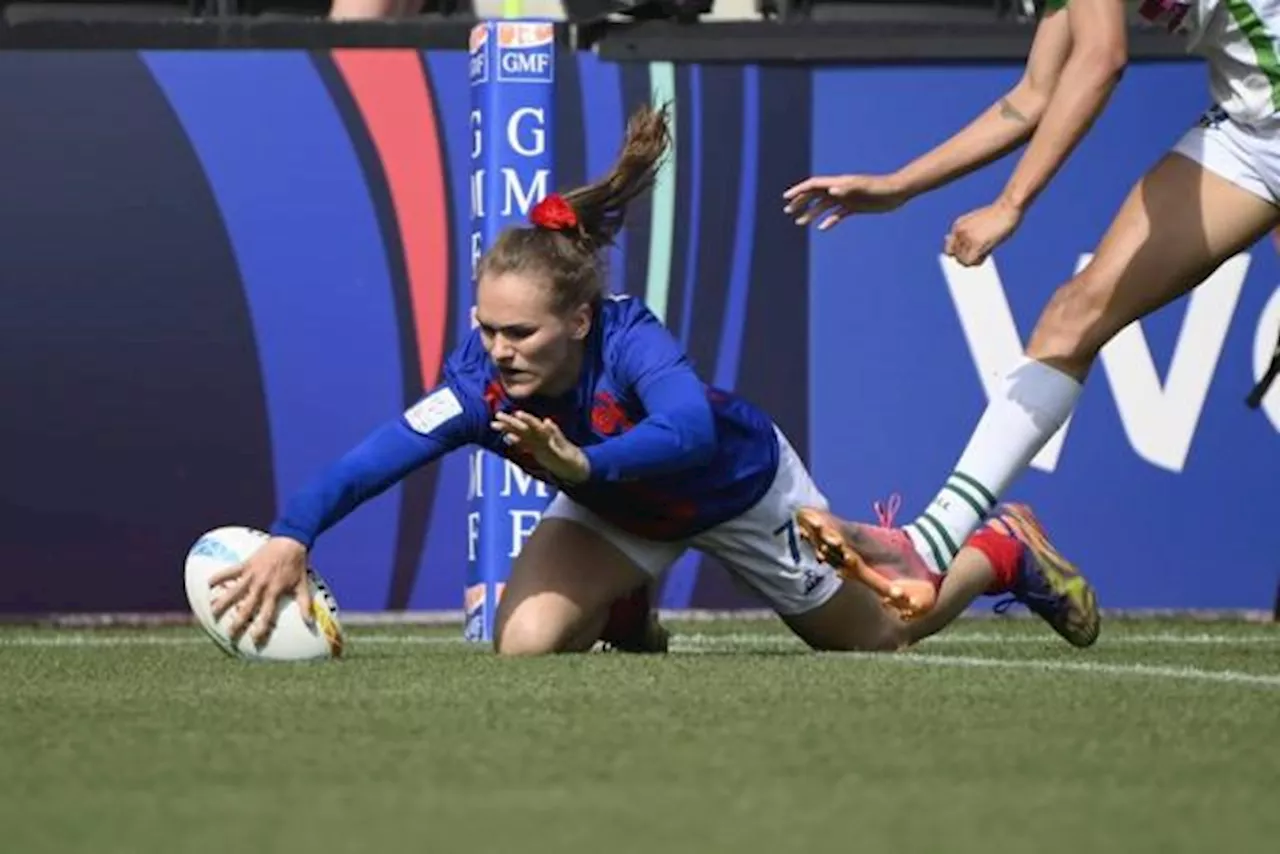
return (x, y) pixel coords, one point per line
(1247, 157)
(761, 548)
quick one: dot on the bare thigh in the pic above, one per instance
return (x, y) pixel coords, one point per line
(1177, 225)
(561, 585)
(851, 620)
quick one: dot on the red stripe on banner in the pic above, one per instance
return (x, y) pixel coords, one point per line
(391, 92)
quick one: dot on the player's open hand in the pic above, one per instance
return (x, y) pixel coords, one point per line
(830, 199)
(975, 235)
(255, 587)
(542, 438)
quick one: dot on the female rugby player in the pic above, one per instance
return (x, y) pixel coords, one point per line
(592, 395)
(1212, 196)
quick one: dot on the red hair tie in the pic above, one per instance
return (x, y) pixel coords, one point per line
(554, 213)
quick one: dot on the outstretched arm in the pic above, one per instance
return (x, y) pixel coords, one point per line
(435, 425)
(384, 458)
(1098, 56)
(1099, 51)
(1007, 123)
(1001, 128)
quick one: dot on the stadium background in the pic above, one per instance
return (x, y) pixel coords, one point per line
(223, 267)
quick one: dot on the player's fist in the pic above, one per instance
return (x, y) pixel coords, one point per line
(975, 235)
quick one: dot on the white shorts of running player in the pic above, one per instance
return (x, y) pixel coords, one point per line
(1248, 157)
(760, 548)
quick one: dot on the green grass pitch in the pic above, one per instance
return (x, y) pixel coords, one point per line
(996, 737)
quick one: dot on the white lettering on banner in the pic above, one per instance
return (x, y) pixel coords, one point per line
(537, 131)
(522, 524)
(475, 481)
(477, 133)
(473, 534)
(477, 252)
(523, 481)
(992, 334)
(512, 188)
(1264, 344)
(526, 64)
(1159, 420)
(477, 193)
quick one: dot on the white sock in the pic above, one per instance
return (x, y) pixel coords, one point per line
(1033, 402)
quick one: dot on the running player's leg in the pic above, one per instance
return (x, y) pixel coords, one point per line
(1011, 554)
(856, 550)
(1194, 210)
(568, 574)
(971, 575)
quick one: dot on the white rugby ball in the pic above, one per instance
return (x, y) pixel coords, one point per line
(291, 639)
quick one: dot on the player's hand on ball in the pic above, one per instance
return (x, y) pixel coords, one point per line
(541, 438)
(975, 235)
(832, 198)
(255, 587)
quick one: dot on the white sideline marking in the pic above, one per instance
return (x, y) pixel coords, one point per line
(1158, 671)
(998, 639)
(975, 613)
(748, 639)
(729, 641)
(743, 642)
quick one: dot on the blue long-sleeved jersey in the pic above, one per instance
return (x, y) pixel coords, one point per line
(670, 457)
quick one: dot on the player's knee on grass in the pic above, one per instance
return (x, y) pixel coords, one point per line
(585, 636)
(561, 584)
(545, 624)
(523, 633)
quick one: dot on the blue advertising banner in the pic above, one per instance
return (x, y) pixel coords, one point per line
(512, 78)
(1162, 484)
(225, 268)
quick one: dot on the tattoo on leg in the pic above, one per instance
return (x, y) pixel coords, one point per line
(1009, 111)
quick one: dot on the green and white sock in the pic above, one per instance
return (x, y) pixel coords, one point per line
(1032, 404)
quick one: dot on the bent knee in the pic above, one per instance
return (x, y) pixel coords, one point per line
(524, 637)
(1077, 322)
(529, 632)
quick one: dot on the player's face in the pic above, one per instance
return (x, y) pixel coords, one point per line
(536, 349)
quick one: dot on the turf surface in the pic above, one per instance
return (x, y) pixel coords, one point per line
(996, 737)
